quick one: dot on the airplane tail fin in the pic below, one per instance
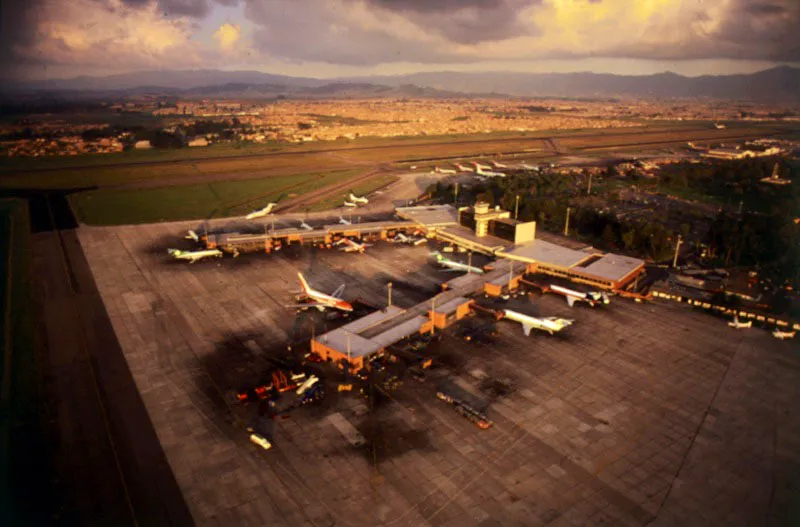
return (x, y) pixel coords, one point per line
(303, 283)
(606, 300)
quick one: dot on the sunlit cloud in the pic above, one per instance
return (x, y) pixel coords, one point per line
(87, 36)
(227, 36)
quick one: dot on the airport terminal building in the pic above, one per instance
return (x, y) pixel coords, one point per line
(490, 231)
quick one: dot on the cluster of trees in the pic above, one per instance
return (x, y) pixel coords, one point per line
(730, 181)
(160, 138)
(544, 198)
(764, 236)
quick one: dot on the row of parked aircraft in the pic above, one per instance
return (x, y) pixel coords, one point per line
(777, 333)
(322, 301)
(481, 169)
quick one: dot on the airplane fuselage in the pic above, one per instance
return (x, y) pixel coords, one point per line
(458, 266)
(358, 199)
(548, 324)
(261, 212)
(321, 298)
(782, 335)
(193, 256)
(592, 297)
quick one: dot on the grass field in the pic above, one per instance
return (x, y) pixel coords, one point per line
(359, 190)
(203, 200)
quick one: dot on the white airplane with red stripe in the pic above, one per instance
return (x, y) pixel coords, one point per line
(320, 300)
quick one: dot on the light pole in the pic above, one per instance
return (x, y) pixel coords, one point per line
(389, 303)
(433, 315)
(677, 248)
(516, 208)
(566, 223)
(455, 193)
(469, 262)
(589, 188)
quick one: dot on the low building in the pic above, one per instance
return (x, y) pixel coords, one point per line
(198, 141)
(356, 343)
(142, 145)
(450, 312)
(604, 271)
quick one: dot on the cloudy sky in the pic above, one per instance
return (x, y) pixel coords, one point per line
(326, 38)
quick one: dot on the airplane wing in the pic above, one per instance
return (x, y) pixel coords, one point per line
(570, 301)
(526, 328)
(338, 292)
(451, 270)
(307, 304)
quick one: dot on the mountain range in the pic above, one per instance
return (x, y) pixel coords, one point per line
(780, 84)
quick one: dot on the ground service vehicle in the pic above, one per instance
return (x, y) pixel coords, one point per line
(465, 403)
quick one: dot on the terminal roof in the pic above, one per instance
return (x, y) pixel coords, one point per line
(612, 267)
(373, 319)
(341, 339)
(399, 332)
(450, 306)
(430, 216)
(547, 253)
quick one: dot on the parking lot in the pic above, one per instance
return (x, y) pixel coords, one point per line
(637, 413)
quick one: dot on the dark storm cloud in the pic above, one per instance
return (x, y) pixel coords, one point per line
(759, 30)
(191, 8)
(765, 8)
(18, 26)
(464, 21)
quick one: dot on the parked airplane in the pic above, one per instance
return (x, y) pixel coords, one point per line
(592, 297)
(261, 212)
(306, 226)
(350, 204)
(495, 164)
(453, 265)
(308, 383)
(529, 167)
(320, 300)
(351, 246)
(193, 256)
(411, 240)
(736, 324)
(462, 168)
(549, 324)
(191, 235)
(343, 221)
(358, 199)
(444, 170)
(783, 335)
(488, 173)
(478, 166)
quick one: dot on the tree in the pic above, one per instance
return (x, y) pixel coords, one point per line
(609, 237)
(629, 239)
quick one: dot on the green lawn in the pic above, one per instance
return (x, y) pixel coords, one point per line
(359, 190)
(198, 201)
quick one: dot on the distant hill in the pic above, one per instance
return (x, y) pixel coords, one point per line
(776, 84)
(781, 84)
